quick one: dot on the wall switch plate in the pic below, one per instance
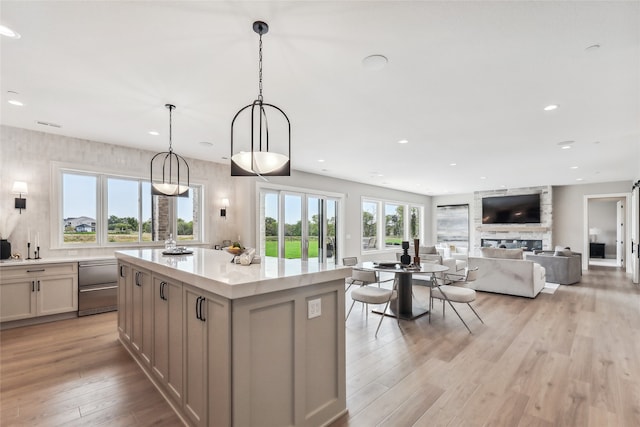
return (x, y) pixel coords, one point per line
(314, 308)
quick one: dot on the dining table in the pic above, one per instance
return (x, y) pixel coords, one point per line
(407, 308)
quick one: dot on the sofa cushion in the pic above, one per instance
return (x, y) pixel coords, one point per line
(430, 250)
(501, 253)
(563, 252)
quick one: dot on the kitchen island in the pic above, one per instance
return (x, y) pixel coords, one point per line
(234, 345)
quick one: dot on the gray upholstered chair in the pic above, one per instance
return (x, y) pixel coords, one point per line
(563, 268)
(372, 294)
(455, 292)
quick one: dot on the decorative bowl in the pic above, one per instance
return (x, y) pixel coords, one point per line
(233, 250)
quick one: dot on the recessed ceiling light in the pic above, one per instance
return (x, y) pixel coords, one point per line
(483, 177)
(374, 62)
(154, 132)
(579, 179)
(15, 102)
(320, 160)
(8, 32)
(550, 107)
(565, 147)
(593, 47)
(452, 164)
(403, 141)
(574, 167)
(206, 143)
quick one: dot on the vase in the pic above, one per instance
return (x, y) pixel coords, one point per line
(5, 249)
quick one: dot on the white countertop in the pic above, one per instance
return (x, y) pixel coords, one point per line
(212, 271)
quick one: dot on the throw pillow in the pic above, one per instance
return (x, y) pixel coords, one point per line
(429, 250)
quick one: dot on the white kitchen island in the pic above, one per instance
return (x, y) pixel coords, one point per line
(233, 345)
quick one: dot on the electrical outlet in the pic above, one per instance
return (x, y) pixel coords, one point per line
(314, 308)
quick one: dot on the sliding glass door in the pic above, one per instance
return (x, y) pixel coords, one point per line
(298, 225)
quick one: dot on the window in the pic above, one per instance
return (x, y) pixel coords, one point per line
(102, 210)
(400, 222)
(369, 225)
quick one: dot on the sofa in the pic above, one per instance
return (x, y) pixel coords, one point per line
(504, 271)
(563, 267)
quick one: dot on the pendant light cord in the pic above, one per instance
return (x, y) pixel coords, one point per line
(170, 132)
(260, 69)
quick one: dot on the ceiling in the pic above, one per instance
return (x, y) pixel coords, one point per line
(465, 83)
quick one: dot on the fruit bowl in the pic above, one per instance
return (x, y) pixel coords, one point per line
(234, 250)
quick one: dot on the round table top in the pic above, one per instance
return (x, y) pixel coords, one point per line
(396, 267)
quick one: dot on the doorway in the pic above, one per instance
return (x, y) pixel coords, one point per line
(299, 225)
(606, 234)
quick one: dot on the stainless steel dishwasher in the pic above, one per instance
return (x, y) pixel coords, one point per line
(97, 286)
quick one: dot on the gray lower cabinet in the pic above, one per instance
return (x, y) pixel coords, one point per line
(168, 334)
(142, 308)
(207, 358)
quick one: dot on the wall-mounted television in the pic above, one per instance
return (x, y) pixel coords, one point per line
(517, 209)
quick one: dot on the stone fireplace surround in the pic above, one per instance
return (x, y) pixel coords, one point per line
(517, 232)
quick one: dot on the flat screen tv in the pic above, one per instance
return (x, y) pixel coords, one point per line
(520, 209)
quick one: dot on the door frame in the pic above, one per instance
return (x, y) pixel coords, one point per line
(585, 225)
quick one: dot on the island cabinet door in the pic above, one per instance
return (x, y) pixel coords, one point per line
(141, 307)
(124, 300)
(195, 356)
(219, 360)
(167, 334)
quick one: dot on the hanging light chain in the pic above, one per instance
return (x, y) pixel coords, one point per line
(260, 68)
(171, 107)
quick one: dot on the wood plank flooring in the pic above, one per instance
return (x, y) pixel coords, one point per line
(567, 359)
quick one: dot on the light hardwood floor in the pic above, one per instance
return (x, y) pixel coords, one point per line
(571, 358)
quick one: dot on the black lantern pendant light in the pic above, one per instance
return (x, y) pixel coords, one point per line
(172, 182)
(269, 148)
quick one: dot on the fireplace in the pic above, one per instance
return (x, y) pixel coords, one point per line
(527, 245)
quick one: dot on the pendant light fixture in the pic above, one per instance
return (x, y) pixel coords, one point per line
(267, 149)
(172, 182)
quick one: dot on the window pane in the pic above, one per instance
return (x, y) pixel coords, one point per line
(122, 211)
(186, 227)
(369, 225)
(271, 224)
(332, 214)
(79, 208)
(394, 224)
(147, 223)
(414, 223)
(292, 226)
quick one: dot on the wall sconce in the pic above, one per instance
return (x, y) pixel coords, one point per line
(223, 211)
(20, 188)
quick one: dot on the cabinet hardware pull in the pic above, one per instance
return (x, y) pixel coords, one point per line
(33, 286)
(38, 285)
(162, 295)
(201, 313)
(138, 278)
(36, 271)
(198, 308)
(121, 270)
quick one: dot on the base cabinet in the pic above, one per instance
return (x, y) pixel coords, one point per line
(41, 290)
(207, 356)
(252, 361)
(124, 301)
(168, 334)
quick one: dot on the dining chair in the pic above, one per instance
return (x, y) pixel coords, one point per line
(455, 292)
(374, 295)
(349, 261)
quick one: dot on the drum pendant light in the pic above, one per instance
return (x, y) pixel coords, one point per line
(172, 182)
(265, 145)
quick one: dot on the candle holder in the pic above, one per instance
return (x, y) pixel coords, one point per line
(37, 254)
(28, 250)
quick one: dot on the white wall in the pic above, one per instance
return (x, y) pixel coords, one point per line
(353, 192)
(568, 210)
(26, 155)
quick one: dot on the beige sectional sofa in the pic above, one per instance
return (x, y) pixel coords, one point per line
(504, 271)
